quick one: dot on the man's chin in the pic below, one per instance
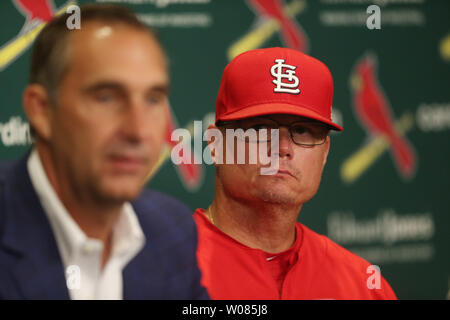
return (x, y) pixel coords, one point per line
(121, 191)
(277, 195)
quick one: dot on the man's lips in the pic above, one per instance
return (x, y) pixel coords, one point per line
(126, 163)
(285, 173)
(281, 173)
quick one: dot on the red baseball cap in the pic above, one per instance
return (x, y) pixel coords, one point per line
(275, 80)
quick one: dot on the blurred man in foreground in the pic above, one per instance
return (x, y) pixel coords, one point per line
(74, 223)
(250, 243)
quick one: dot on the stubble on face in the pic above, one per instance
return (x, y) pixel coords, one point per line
(296, 182)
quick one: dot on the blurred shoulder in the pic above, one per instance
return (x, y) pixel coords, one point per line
(155, 200)
(157, 210)
(6, 167)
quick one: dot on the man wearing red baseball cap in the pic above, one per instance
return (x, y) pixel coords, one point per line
(250, 243)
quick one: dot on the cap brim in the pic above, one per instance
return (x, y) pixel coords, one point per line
(278, 108)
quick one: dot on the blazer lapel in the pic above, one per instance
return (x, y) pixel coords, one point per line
(38, 272)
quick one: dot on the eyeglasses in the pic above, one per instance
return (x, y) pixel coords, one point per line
(304, 133)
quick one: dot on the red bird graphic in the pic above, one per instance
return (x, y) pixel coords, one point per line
(374, 113)
(291, 32)
(36, 9)
(190, 174)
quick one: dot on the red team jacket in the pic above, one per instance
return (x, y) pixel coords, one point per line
(318, 269)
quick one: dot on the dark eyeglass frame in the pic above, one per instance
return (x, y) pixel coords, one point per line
(289, 127)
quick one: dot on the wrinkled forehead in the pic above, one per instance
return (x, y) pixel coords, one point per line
(99, 36)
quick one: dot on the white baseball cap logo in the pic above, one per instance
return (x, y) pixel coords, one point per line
(291, 86)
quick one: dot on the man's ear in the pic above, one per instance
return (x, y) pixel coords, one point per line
(36, 103)
(327, 146)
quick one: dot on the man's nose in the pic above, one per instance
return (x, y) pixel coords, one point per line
(134, 122)
(285, 143)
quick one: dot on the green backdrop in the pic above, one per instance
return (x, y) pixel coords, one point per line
(393, 213)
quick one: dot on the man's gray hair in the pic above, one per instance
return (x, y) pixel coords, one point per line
(50, 55)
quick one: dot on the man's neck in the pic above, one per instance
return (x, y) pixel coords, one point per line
(95, 219)
(261, 225)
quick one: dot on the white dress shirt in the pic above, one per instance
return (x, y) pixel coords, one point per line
(81, 255)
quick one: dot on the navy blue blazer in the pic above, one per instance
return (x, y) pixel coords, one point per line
(31, 266)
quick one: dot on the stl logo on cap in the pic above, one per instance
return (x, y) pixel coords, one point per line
(285, 87)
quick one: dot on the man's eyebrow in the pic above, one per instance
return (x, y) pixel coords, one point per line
(101, 85)
(160, 88)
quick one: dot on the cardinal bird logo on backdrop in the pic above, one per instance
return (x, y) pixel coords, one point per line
(191, 174)
(374, 113)
(36, 9)
(37, 13)
(273, 16)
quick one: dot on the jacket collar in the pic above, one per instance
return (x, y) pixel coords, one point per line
(28, 236)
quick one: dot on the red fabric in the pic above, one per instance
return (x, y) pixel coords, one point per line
(280, 263)
(320, 269)
(247, 88)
